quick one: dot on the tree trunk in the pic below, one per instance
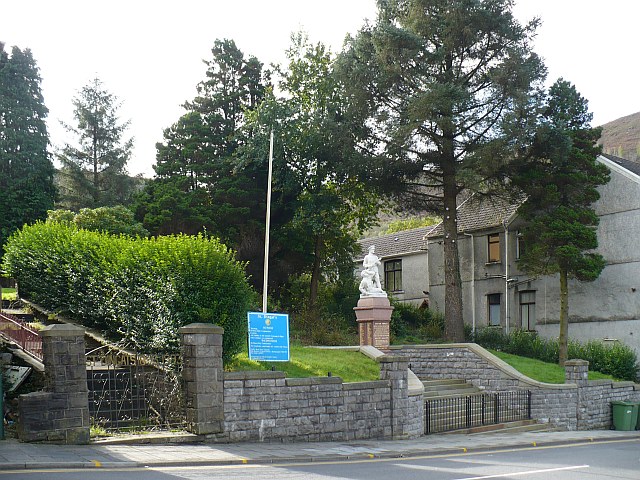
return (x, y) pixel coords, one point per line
(315, 274)
(454, 324)
(563, 350)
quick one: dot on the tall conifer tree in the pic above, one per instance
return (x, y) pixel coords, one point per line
(436, 80)
(26, 172)
(561, 184)
(94, 170)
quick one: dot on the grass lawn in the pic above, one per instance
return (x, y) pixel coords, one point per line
(9, 294)
(316, 362)
(541, 371)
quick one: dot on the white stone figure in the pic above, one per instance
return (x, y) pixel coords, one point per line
(370, 284)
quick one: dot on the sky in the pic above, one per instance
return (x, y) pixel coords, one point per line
(150, 53)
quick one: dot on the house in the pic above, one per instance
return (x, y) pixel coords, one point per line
(495, 292)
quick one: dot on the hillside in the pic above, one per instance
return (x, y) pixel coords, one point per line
(621, 137)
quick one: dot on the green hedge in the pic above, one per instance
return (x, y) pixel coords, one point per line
(139, 291)
(616, 359)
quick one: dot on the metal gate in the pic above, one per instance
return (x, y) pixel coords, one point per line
(135, 391)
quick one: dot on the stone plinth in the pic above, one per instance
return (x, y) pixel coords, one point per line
(373, 315)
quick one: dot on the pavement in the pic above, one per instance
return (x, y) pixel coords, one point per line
(176, 449)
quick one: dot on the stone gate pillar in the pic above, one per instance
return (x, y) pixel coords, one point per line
(203, 375)
(61, 412)
(395, 369)
(577, 372)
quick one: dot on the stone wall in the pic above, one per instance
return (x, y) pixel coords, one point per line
(577, 404)
(267, 406)
(61, 412)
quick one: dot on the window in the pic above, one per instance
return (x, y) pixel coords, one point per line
(393, 275)
(493, 302)
(520, 245)
(528, 310)
(493, 255)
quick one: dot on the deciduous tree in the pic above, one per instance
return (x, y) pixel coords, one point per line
(318, 166)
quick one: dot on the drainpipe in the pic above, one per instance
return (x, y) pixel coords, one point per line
(506, 275)
(473, 281)
(428, 274)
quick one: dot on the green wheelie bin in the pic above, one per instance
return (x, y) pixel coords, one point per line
(625, 415)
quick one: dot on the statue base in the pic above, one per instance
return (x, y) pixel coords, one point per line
(373, 315)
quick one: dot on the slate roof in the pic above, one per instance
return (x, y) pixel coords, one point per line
(626, 164)
(474, 214)
(481, 213)
(407, 241)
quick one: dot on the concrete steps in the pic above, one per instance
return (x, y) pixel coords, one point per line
(448, 388)
(454, 404)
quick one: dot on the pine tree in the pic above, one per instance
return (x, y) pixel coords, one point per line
(436, 80)
(27, 190)
(561, 185)
(94, 171)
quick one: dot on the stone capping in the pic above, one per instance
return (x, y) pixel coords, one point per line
(504, 367)
(415, 385)
(197, 328)
(62, 330)
(366, 385)
(576, 363)
(299, 382)
(254, 375)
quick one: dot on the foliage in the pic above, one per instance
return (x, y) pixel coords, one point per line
(409, 323)
(440, 86)
(27, 190)
(410, 223)
(542, 371)
(200, 184)
(333, 205)
(332, 321)
(139, 291)
(9, 294)
(316, 362)
(114, 220)
(94, 171)
(560, 179)
(617, 360)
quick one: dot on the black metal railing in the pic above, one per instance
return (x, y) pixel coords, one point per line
(456, 413)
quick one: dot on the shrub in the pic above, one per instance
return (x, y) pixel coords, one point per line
(617, 360)
(409, 322)
(139, 291)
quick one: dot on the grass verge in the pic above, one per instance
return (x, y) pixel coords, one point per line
(315, 362)
(9, 294)
(541, 371)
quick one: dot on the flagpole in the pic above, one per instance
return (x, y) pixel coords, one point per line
(268, 224)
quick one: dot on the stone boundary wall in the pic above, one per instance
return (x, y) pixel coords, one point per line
(578, 404)
(267, 406)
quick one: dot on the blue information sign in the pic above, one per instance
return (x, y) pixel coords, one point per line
(269, 336)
